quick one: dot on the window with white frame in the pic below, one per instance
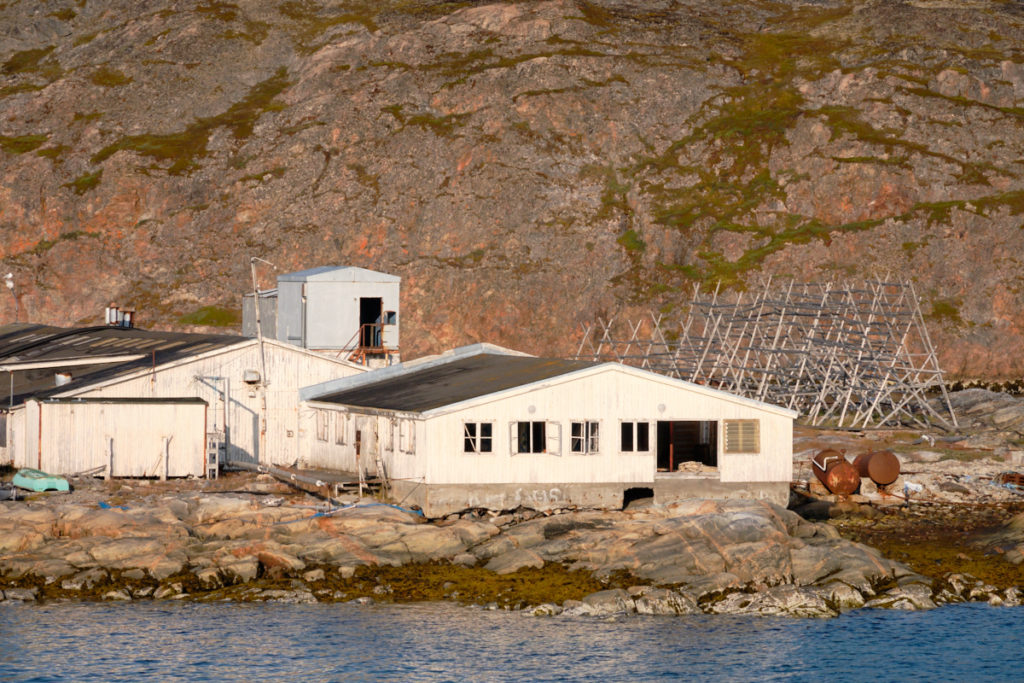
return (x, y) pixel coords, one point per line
(742, 436)
(389, 435)
(407, 436)
(340, 428)
(323, 426)
(536, 437)
(478, 437)
(583, 437)
(635, 437)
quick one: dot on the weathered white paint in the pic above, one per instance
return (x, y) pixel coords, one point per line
(608, 394)
(72, 437)
(319, 308)
(205, 376)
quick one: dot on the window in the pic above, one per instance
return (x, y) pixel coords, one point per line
(478, 437)
(340, 428)
(407, 436)
(323, 427)
(635, 437)
(742, 436)
(584, 437)
(536, 437)
(389, 435)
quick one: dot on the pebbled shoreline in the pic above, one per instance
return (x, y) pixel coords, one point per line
(244, 538)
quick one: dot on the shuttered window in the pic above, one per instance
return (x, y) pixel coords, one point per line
(584, 438)
(536, 437)
(322, 425)
(340, 428)
(742, 436)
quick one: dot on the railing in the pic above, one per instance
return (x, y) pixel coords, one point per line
(367, 341)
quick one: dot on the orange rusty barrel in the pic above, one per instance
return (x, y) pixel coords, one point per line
(882, 467)
(832, 470)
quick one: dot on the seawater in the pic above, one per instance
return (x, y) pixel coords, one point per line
(442, 642)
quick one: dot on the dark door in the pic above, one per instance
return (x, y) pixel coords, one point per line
(370, 309)
(687, 441)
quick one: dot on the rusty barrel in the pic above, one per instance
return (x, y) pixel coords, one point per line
(882, 467)
(832, 470)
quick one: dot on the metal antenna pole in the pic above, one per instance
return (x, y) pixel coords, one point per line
(263, 356)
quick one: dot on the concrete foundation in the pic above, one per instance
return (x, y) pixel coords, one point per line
(671, 488)
(437, 500)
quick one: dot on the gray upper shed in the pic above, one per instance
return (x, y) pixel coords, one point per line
(335, 308)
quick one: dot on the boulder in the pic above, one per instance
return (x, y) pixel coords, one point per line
(471, 532)
(514, 561)
(217, 507)
(786, 600)
(85, 580)
(241, 571)
(612, 601)
(19, 594)
(664, 601)
(548, 609)
(119, 594)
(286, 596)
(913, 596)
(119, 552)
(702, 586)
(20, 540)
(280, 561)
(841, 595)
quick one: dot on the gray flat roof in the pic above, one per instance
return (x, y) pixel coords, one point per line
(338, 274)
(453, 382)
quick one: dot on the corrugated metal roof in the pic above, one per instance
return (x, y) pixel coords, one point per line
(25, 343)
(338, 274)
(453, 382)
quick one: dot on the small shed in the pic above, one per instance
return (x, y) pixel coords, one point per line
(487, 427)
(121, 437)
(347, 309)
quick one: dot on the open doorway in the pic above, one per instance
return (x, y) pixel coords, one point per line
(370, 309)
(687, 441)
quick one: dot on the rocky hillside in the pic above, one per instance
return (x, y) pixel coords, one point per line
(523, 166)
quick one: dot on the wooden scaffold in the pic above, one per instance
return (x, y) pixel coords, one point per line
(849, 355)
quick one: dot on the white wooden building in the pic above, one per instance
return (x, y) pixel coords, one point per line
(119, 437)
(486, 427)
(251, 390)
(257, 432)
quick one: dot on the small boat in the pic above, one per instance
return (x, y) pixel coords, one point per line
(35, 480)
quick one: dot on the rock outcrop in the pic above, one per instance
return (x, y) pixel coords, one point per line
(523, 166)
(697, 556)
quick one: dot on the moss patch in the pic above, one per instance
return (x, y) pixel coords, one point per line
(184, 148)
(85, 182)
(213, 316)
(935, 540)
(21, 144)
(43, 246)
(27, 61)
(109, 78)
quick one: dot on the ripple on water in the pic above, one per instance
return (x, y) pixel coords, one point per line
(440, 642)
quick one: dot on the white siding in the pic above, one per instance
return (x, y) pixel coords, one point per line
(68, 438)
(608, 396)
(375, 428)
(288, 369)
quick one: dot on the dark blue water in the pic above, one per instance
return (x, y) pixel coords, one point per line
(439, 642)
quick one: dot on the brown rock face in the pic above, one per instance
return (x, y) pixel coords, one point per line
(524, 167)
